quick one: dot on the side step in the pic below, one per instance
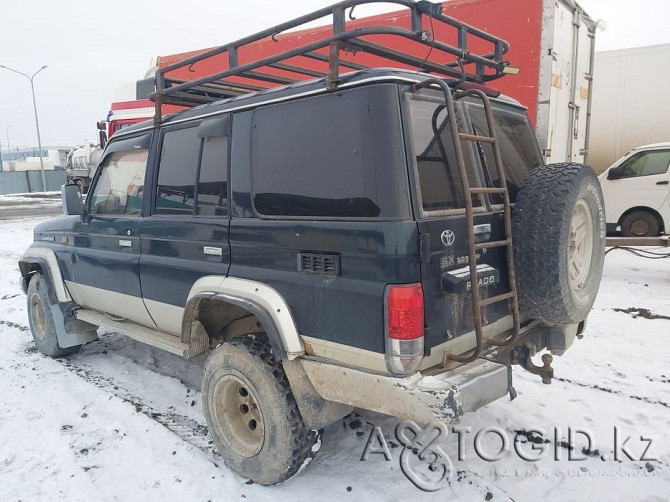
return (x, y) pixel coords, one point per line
(158, 339)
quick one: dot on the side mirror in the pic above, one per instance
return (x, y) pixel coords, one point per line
(616, 173)
(103, 139)
(71, 199)
(102, 125)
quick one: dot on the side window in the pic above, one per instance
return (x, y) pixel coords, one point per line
(213, 182)
(175, 193)
(646, 164)
(120, 185)
(329, 156)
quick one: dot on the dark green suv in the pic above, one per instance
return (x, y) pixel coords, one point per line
(385, 239)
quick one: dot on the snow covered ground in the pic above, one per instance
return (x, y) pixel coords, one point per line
(123, 421)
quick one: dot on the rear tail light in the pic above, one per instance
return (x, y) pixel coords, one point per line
(404, 328)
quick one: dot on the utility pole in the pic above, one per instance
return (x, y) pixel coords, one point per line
(9, 148)
(37, 122)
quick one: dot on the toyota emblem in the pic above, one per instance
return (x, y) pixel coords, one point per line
(448, 238)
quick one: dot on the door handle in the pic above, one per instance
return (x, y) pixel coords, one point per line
(212, 251)
(125, 243)
(663, 182)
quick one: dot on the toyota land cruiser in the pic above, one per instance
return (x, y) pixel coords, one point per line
(387, 239)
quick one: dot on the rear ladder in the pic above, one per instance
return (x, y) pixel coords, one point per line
(473, 247)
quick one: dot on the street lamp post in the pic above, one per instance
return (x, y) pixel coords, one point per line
(37, 122)
(9, 148)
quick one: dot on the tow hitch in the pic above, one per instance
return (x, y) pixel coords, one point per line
(521, 356)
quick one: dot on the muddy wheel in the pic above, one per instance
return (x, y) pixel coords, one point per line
(41, 320)
(640, 224)
(251, 413)
(559, 242)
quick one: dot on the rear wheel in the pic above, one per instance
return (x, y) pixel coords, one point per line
(251, 413)
(559, 242)
(640, 224)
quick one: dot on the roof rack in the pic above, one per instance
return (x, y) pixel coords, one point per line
(365, 46)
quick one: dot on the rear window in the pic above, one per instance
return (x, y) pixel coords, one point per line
(439, 176)
(517, 144)
(337, 156)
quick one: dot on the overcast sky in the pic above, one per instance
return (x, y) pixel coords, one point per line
(93, 47)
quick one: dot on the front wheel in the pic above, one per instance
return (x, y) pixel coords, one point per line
(251, 413)
(640, 224)
(559, 242)
(40, 318)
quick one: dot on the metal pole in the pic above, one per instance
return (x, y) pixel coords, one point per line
(39, 140)
(9, 148)
(37, 123)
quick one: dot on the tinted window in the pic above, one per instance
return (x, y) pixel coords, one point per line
(175, 193)
(516, 141)
(212, 185)
(439, 175)
(646, 164)
(331, 156)
(120, 185)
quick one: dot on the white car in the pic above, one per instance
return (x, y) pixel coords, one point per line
(637, 192)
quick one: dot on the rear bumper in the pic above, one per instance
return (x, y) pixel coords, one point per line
(444, 397)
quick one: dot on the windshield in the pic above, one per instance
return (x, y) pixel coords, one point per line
(438, 173)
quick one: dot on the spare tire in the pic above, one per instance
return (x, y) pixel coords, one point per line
(558, 228)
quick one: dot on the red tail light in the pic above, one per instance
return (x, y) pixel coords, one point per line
(404, 314)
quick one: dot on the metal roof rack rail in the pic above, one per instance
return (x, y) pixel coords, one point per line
(301, 63)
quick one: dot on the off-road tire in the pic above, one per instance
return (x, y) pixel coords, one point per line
(286, 442)
(41, 321)
(640, 224)
(550, 199)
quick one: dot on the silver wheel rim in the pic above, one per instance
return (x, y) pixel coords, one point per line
(38, 317)
(580, 247)
(238, 416)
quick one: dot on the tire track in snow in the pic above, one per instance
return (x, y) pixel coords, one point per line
(644, 399)
(187, 429)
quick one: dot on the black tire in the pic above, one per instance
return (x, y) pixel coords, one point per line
(557, 278)
(42, 325)
(243, 373)
(640, 224)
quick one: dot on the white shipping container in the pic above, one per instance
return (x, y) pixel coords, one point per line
(630, 107)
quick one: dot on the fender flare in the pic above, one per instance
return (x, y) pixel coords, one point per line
(265, 302)
(70, 332)
(46, 259)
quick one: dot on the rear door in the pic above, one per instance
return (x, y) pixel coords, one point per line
(440, 207)
(186, 235)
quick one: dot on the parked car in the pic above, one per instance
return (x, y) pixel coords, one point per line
(637, 192)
